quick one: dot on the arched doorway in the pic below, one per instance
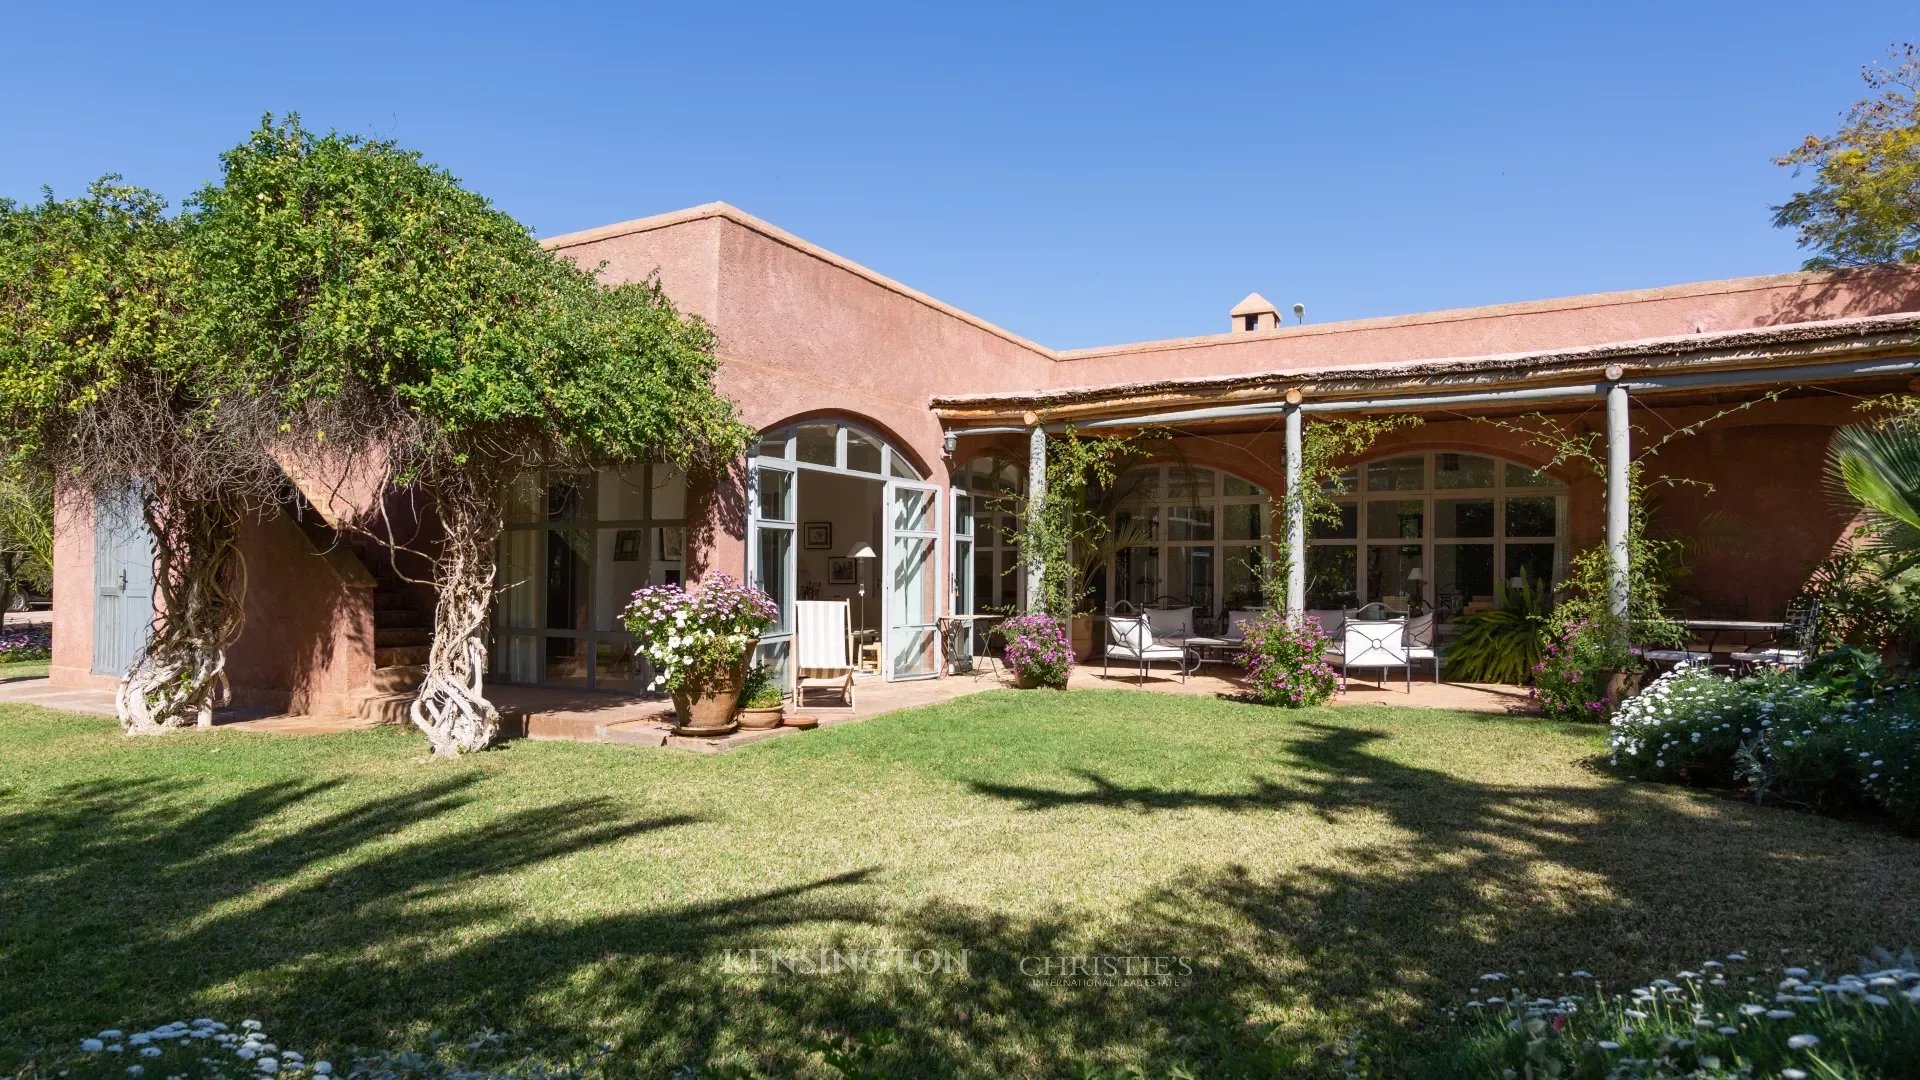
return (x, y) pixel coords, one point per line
(1437, 529)
(838, 513)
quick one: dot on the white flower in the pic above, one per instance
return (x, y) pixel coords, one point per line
(150, 1051)
(92, 1046)
(1608, 1044)
(323, 1067)
(246, 1053)
(136, 1070)
(1793, 1074)
(1779, 1014)
(1803, 1042)
(267, 1065)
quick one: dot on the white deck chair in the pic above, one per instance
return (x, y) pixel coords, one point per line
(1131, 639)
(826, 652)
(1380, 643)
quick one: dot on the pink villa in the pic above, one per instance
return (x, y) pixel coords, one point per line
(888, 418)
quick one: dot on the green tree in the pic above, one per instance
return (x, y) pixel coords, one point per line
(104, 385)
(404, 315)
(26, 535)
(1864, 205)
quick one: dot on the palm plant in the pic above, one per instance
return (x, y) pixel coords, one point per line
(1877, 468)
(1502, 645)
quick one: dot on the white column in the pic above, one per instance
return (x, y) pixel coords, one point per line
(1036, 494)
(1619, 458)
(1296, 517)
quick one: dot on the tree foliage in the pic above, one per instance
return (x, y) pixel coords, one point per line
(1864, 205)
(105, 384)
(404, 314)
(26, 534)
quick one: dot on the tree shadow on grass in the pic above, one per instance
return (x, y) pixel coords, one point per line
(355, 921)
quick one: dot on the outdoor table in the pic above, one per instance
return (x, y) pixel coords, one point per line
(1197, 647)
(1713, 628)
(959, 660)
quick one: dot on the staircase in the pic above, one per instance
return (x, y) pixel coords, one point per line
(402, 634)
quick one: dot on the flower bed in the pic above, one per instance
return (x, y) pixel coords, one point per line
(1804, 740)
(690, 637)
(206, 1049)
(1039, 651)
(1728, 1019)
(1286, 661)
(24, 643)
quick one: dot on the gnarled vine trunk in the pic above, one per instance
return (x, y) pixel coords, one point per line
(200, 580)
(451, 707)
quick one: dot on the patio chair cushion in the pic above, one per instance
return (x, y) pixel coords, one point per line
(1376, 643)
(1330, 619)
(1237, 621)
(1420, 632)
(1171, 622)
(1772, 656)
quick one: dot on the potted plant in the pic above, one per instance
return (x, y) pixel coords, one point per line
(698, 644)
(762, 701)
(1038, 651)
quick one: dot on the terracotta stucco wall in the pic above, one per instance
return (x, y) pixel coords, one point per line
(1566, 323)
(73, 593)
(802, 335)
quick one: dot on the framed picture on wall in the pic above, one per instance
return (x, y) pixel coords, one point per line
(626, 545)
(817, 535)
(673, 544)
(842, 571)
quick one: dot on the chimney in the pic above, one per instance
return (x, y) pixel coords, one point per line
(1254, 313)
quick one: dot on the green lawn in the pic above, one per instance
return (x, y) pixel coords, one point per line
(23, 669)
(1316, 871)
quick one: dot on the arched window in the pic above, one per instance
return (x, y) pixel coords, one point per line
(1437, 530)
(836, 446)
(1186, 535)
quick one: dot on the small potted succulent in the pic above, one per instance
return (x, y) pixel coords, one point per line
(762, 702)
(699, 644)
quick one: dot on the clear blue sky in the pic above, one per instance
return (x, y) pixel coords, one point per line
(1079, 174)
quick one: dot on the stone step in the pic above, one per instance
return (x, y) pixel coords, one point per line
(393, 636)
(385, 708)
(399, 679)
(400, 655)
(400, 616)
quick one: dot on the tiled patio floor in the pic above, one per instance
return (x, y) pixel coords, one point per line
(584, 716)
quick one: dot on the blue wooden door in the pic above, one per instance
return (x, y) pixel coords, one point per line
(122, 582)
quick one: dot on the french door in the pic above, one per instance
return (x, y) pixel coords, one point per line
(773, 488)
(910, 639)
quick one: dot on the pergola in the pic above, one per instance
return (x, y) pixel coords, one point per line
(1856, 351)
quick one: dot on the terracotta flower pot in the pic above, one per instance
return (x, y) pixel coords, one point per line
(708, 709)
(762, 719)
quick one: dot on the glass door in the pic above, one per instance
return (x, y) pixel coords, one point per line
(910, 640)
(772, 489)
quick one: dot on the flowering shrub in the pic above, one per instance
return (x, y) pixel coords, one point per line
(688, 637)
(1570, 681)
(1790, 737)
(31, 642)
(1286, 661)
(1038, 649)
(1722, 1021)
(203, 1048)
(210, 1050)
(1689, 724)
